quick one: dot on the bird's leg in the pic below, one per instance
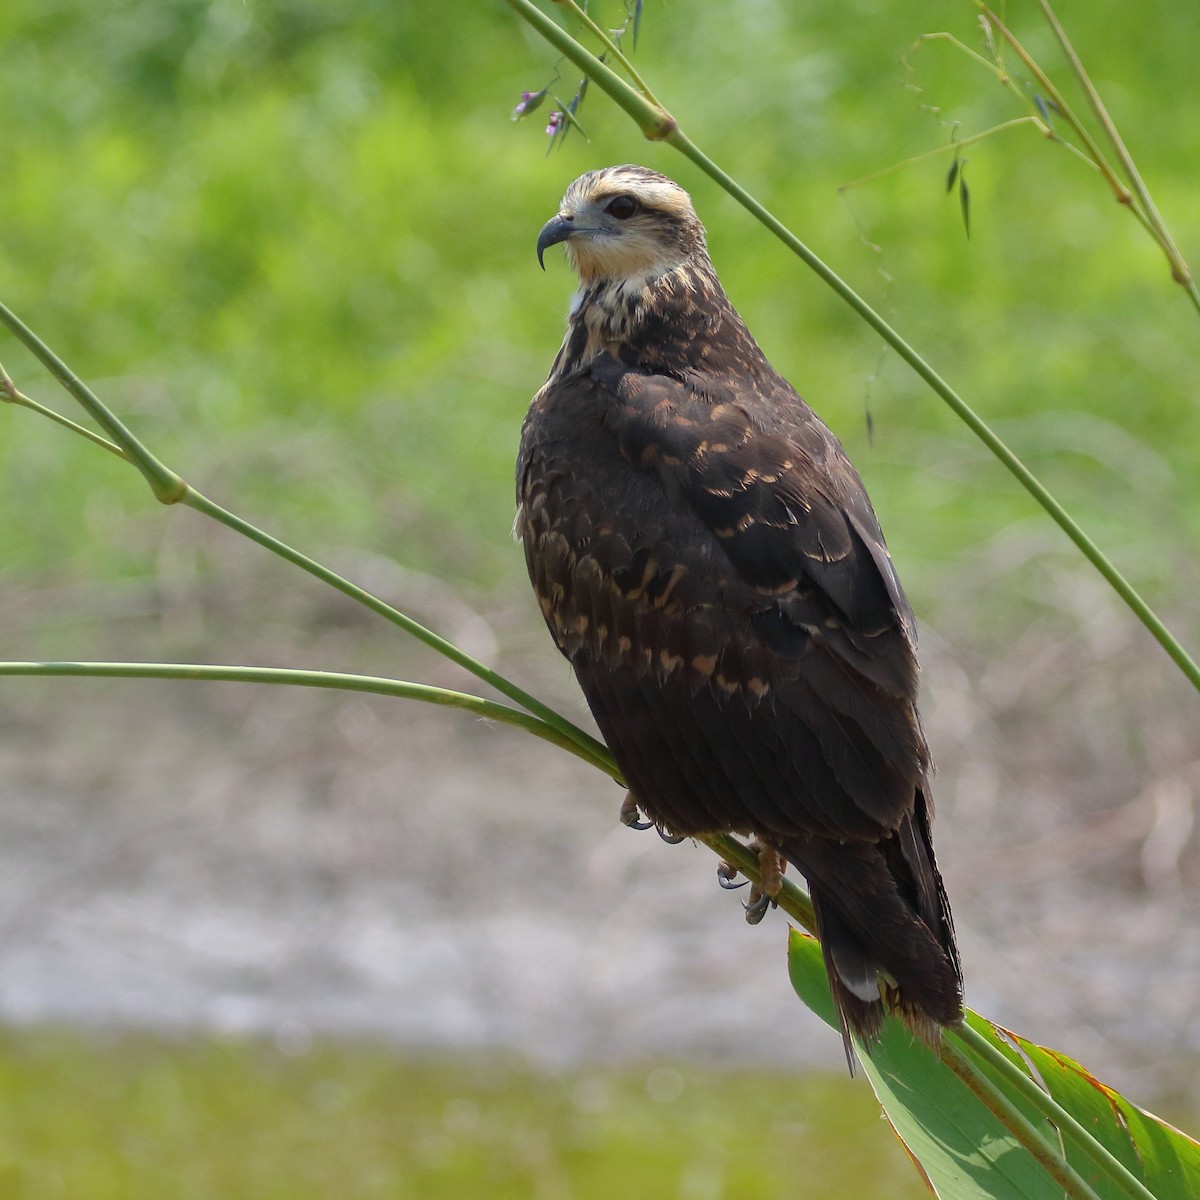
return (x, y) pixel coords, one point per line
(763, 893)
(631, 814)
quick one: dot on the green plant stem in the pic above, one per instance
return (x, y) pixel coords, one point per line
(590, 748)
(1053, 96)
(179, 492)
(951, 398)
(1068, 1126)
(944, 36)
(794, 900)
(11, 395)
(610, 47)
(957, 145)
(164, 483)
(1093, 155)
(650, 117)
(657, 124)
(1180, 270)
(1032, 1140)
(1047, 87)
(335, 680)
(1004, 79)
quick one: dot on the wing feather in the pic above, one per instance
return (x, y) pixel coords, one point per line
(780, 505)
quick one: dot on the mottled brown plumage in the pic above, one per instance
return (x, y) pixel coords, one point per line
(707, 559)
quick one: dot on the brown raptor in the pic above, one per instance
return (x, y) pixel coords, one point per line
(706, 557)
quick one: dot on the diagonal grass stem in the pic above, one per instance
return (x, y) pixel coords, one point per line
(1180, 270)
(170, 488)
(594, 749)
(164, 483)
(330, 680)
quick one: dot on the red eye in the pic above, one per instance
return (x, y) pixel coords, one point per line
(621, 207)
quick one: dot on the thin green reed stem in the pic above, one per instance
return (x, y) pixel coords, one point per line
(589, 747)
(949, 148)
(1051, 93)
(1091, 152)
(1002, 77)
(610, 47)
(1180, 270)
(164, 483)
(658, 125)
(329, 680)
(170, 488)
(649, 116)
(10, 395)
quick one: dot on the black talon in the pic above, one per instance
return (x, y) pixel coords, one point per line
(727, 876)
(672, 839)
(756, 910)
(631, 816)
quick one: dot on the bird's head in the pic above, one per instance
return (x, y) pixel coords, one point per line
(624, 223)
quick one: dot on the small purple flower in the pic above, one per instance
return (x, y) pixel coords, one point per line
(555, 125)
(528, 102)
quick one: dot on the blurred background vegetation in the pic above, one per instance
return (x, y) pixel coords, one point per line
(292, 244)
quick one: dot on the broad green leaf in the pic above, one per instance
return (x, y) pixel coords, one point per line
(963, 1150)
(1162, 1157)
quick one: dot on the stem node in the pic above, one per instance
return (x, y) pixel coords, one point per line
(664, 130)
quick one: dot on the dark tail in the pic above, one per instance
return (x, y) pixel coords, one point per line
(885, 929)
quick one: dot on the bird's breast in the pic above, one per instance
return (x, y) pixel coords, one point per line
(624, 578)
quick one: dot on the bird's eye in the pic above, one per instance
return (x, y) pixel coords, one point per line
(621, 207)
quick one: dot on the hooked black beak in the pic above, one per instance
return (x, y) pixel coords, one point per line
(555, 230)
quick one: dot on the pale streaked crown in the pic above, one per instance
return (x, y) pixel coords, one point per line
(626, 223)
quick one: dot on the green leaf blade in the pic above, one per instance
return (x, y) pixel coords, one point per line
(1158, 1154)
(964, 1150)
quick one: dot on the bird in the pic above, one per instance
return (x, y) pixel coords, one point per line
(707, 559)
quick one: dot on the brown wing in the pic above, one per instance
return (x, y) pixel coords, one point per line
(712, 568)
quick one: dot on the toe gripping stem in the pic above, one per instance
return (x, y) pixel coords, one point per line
(727, 877)
(631, 815)
(762, 896)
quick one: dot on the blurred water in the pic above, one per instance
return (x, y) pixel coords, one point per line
(364, 868)
(241, 859)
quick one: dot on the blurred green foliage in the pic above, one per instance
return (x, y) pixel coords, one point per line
(293, 244)
(142, 1119)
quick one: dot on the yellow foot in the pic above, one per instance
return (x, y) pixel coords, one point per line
(770, 869)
